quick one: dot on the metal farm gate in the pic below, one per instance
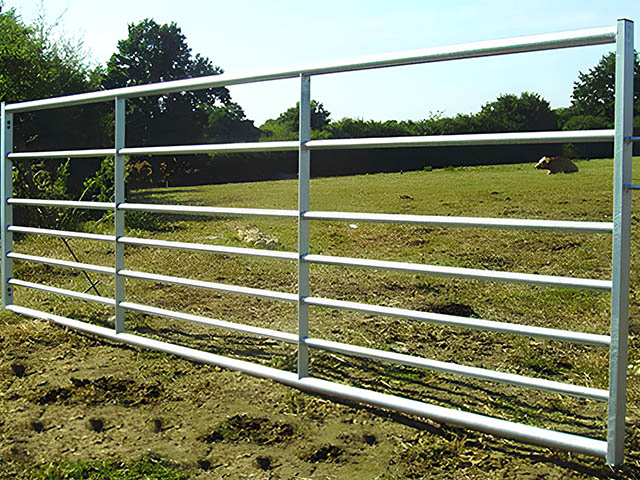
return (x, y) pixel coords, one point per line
(612, 448)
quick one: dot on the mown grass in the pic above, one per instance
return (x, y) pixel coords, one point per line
(512, 191)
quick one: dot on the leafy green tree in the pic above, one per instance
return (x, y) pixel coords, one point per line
(229, 124)
(286, 126)
(509, 113)
(585, 122)
(159, 53)
(359, 128)
(593, 93)
(34, 66)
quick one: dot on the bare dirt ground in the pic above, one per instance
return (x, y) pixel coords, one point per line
(68, 396)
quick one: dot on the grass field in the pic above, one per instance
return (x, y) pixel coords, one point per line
(75, 406)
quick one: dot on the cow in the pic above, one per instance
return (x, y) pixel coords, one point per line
(556, 165)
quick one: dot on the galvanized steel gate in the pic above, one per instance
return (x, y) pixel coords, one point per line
(612, 449)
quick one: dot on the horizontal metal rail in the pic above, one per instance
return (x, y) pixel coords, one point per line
(465, 322)
(516, 138)
(63, 263)
(98, 152)
(213, 148)
(200, 247)
(62, 291)
(532, 43)
(494, 426)
(198, 210)
(459, 272)
(383, 142)
(36, 202)
(236, 327)
(62, 233)
(478, 222)
(454, 368)
(221, 287)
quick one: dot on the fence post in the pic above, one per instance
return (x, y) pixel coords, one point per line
(304, 173)
(621, 241)
(119, 214)
(7, 210)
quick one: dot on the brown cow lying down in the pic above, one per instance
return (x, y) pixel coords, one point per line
(556, 165)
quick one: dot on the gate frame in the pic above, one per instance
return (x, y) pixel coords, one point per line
(612, 449)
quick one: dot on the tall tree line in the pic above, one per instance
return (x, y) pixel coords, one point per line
(34, 66)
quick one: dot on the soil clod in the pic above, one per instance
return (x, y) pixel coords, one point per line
(326, 453)
(458, 309)
(99, 391)
(244, 427)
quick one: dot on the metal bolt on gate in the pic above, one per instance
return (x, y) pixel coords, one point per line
(612, 449)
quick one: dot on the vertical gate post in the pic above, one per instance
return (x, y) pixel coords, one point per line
(304, 174)
(119, 214)
(7, 210)
(621, 241)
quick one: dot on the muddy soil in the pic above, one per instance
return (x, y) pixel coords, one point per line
(66, 396)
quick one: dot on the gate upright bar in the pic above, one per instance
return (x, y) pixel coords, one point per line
(7, 209)
(119, 188)
(618, 352)
(304, 176)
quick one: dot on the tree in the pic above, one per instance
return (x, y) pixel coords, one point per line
(585, 122)
(229, 124)
(593, 93)
(286, 126)
(33, 67)
(158, 53)
(509, 113)
(359, 128)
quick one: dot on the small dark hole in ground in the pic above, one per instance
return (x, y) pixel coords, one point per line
(157, 425)
(264, 463)
(18, 370)
(97, 425)
(370, 439)
(204, 464)
(37, 426)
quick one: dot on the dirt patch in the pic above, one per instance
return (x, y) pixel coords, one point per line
(101, 390)
(453, 308)
(244, 427)
(326, 453)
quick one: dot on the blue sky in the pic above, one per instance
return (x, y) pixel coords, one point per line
(245, 36)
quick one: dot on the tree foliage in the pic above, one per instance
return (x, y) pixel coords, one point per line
(228, 123)
(594, 92)
(34, 66)
(158, 53)
(509, 113)
(286, 126)
(154, 53)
